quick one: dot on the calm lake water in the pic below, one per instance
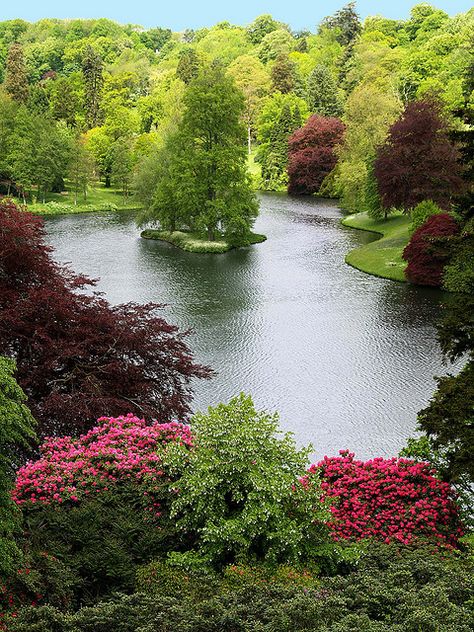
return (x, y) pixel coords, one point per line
(345, 358)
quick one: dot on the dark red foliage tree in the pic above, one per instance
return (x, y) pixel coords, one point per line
(428, 250)
(311, 155)
(78, 357)
(418, 161)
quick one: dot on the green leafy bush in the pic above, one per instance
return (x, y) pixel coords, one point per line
(422, 212)
(238, 495)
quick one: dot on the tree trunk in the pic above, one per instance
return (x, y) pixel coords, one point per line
(249, 139)
(210, 234)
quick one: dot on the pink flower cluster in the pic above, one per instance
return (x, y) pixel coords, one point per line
(116, 451)
(387, 499)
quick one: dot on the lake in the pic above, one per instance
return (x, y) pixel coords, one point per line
(345, 358)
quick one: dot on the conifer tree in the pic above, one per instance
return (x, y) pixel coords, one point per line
(322, 92)
(16, 80)
(92, 67)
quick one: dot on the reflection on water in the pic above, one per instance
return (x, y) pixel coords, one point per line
(347, 359)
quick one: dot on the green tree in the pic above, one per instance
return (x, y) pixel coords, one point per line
(92, 69)
(16, 80)
(122, 165)
(322, 92)
(16, 430)
(274, 44)
(346, 23)
(368, 115)
(261, 26)
(283, 74)
(64, 102)
(252, 78)
(208, 161)
(188, 65)
(281, 114)
(239, 493)
(81, 169)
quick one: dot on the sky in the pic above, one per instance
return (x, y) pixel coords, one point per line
(299, 14)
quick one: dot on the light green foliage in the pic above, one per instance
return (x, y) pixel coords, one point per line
(81, 169)
(224, 43)
(422, 212)
(252, 78)
(281, 114)
(239, 492)
(122, 165)
(276, 43)
(368, 116)
(16, 430)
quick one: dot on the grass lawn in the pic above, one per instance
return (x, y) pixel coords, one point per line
(193, 242)
(98, 198)
(382, 258)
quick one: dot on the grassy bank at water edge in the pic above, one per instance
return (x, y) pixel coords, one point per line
(382, 258)
(193, 242)
(99, 198)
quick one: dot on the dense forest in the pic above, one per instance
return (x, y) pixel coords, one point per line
(120, 510)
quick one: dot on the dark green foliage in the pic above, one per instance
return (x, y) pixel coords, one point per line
(322, 92)
(102, 542)
(155, 38)
(92, 68)
(261, 26)
(283, 74)
(449, 421)
(400, 590)
(203, 183)
(346, 23)
(16, 431)
(459, 273)
(188, 65)
(16, 80)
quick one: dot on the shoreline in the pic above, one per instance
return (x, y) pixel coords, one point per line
(383, 257)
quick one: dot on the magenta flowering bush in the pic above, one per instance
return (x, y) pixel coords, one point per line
(387, 499)
(117, 451)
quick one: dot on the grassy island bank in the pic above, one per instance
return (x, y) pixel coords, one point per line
(192, 242)
(382, 258)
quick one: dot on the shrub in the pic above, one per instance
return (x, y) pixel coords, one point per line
(238, 495)
(428, 250)
(393, 588)
(387, 499)
(422, 212)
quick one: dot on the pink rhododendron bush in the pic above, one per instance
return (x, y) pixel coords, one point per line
(387, 499)
(116, 452)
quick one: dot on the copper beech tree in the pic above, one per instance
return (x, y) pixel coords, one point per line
(78, 357)
(311, 153)
(418, 161)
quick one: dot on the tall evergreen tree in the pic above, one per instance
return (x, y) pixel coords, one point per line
(92, 69)
(16, 80)
(322, 92)
(188, 65)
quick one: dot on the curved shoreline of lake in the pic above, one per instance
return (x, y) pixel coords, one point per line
(346, 358)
